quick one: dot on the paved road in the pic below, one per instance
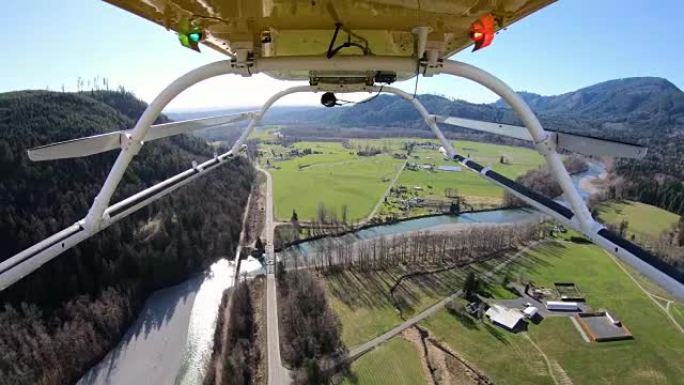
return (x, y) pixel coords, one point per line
(367, 346)
(277, 374)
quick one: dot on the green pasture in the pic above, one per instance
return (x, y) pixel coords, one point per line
(394, 363)
(475, 189)
(338, 176)
(361, 299)
(645, 222)
(334, 178)
(655, 356)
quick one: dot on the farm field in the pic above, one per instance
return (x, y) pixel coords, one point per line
(336, 176)
(475, 189)
(655, 356)
(504, 357)
(361, 299)
(394, 363)
(677, 311)
(645, 222)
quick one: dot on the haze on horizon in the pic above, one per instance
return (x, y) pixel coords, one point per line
(548, 53)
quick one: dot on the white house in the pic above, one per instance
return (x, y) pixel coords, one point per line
(505, 317)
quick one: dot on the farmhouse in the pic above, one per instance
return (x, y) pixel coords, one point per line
(507, 318)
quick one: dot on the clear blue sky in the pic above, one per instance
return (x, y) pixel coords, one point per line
(568, 45)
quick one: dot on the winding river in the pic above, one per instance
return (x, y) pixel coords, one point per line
(172, 338)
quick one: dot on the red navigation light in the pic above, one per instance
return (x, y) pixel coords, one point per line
(482, 31)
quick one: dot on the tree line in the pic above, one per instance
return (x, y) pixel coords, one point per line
(311, 332)
(332, 253)
(542, 181)
(242, 352)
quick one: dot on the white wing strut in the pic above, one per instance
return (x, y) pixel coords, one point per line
(581, 144)
(96, 144)
(101, 214)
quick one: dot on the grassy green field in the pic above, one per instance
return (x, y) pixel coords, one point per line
(361, 299)
(366, 313)
(335, 178)
(677, 311)
(645, 221)
(394, 363)
(506, 358)
(476, 190)
(655, 356)
(339, 177)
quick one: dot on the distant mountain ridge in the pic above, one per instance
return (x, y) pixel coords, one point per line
(619, 100)
(645, 110)
(630, 108)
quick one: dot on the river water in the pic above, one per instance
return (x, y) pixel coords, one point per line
(594, 171)
(172, 339)
(426, 224)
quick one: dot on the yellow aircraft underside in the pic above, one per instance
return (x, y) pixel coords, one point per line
(270, 28)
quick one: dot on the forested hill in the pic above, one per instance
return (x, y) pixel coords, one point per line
(647, 99)
(632, 107)
(63, 318)
(645, 110)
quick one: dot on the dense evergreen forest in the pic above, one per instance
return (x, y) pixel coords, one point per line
(63, 318)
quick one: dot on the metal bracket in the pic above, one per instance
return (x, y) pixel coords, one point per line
(546, 145)
(130, 144)
(430, 68)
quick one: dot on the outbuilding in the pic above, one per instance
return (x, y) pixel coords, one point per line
(530, 312)
(505, 317)
(449, 168)
(562, 306)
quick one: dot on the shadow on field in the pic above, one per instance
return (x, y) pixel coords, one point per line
(409, 294)
(362, 289)
(529, 262)
(352, 378)
(371, 289)
(496, 333)
(467, 321)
